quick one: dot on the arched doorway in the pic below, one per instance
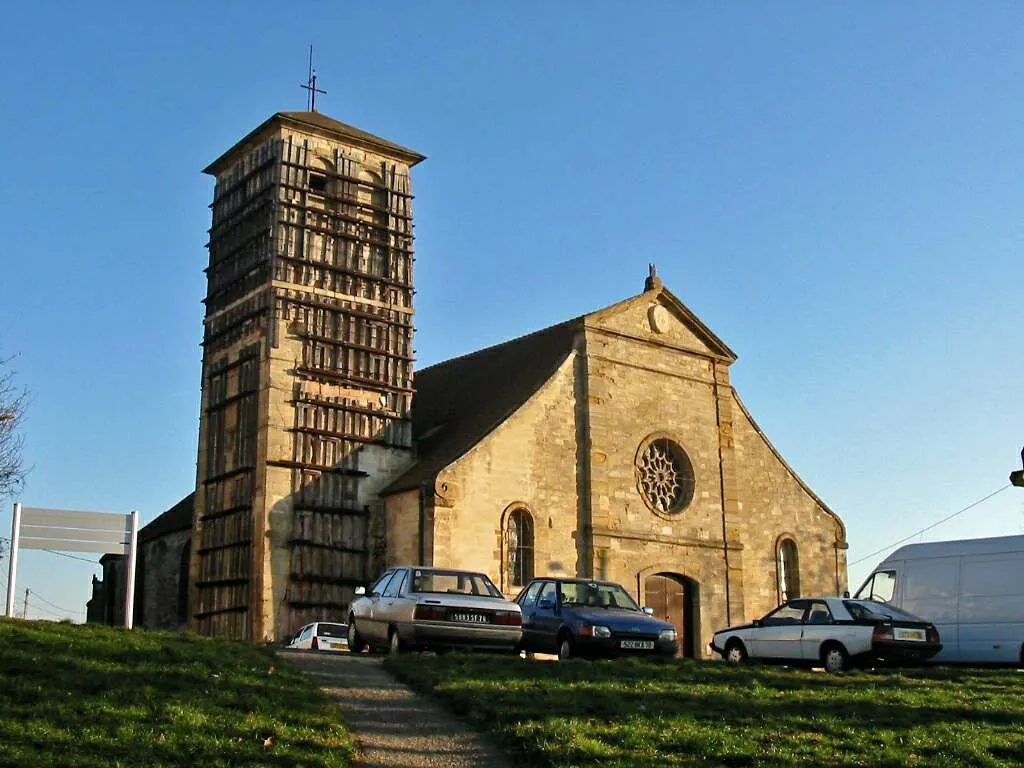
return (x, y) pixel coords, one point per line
(676, 599)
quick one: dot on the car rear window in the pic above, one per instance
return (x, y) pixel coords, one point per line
(457, 582)
(331, 630)
(868, 609)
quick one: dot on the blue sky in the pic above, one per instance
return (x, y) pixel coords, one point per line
(835, 189)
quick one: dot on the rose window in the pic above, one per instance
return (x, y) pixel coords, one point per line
(665, 476)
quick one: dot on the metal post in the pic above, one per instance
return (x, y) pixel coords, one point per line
(129, 591)
(13, 565)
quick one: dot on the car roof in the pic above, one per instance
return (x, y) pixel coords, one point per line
(575, 580)
(436, 568)
(825, 598)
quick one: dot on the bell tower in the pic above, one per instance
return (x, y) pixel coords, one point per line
(307, 372)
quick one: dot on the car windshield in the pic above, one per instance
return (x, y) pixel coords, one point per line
(869, 609)
(597, 594)
(331, 630)
(458, 582)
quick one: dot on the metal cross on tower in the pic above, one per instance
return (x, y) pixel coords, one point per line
(311, 84)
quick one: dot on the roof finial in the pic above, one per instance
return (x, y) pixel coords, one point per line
(311, 84)
(653, 282)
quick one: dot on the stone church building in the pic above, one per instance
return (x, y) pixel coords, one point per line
(611, 445)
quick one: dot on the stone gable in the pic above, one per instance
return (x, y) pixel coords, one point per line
(577, 453)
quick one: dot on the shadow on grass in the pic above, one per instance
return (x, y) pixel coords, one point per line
(92, 696)
(691, 713)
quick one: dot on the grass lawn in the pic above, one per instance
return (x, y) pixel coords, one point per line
(639, 714)
(96, 696)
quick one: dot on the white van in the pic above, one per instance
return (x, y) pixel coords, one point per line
(971, 589)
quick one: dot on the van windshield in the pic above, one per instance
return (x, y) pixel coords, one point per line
(880, 586)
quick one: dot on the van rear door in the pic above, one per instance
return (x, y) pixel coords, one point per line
(928, 587)
(992, 608)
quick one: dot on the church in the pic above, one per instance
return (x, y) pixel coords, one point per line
(610, 446)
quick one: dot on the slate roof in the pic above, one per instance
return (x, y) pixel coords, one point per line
(460, 401)
(177, 518)
(457, 403)
(323, 123)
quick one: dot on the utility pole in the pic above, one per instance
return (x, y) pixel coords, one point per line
(1017, 477)
(24, 611)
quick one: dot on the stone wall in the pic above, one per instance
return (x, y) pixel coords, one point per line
(529, 461)
(646, 370)
(777, 504)
(159, 591)
(646, 384)
(402, 515)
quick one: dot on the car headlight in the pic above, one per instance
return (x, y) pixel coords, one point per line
(667, 635)
(600, 631)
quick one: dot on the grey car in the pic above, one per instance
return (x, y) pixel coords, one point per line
(420, 608)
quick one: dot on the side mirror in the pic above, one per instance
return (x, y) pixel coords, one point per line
(648, 611)
(360, 590)
(756, 622)
(546, 604)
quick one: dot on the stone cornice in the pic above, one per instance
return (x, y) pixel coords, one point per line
(658, 538)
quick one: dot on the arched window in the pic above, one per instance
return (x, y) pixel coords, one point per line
(519, 547)
(788, 564)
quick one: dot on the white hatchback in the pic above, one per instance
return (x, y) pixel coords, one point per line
(321, 636)
(830, 632)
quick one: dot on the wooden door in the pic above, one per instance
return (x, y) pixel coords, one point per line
(668, 599)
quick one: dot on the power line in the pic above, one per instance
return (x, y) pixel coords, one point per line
(933, 525)
(62, 554)
(55, 607)
(72, 557)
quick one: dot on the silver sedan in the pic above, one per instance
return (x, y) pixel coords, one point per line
(419, 607)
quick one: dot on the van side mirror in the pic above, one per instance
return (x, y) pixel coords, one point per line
(546, 604)
(360, 590)
(648, 611)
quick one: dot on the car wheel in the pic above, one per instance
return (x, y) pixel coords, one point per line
(834, 658)
(356, 644)
(394, 643)
(565, 649)
(735, 653)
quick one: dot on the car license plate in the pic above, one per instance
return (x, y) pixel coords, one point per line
(916, 635)
(637, 645)
(471, 618)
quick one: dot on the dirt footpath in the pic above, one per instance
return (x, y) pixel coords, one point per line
(393, 726)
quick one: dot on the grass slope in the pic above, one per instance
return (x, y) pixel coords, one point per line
(642, 715)
(97, 696)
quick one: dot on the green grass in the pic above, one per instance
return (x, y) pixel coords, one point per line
(97, 696)
(638, 714)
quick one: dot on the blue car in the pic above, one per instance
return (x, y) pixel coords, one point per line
(590, 619)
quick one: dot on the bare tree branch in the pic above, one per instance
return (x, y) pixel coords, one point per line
(13, 403)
